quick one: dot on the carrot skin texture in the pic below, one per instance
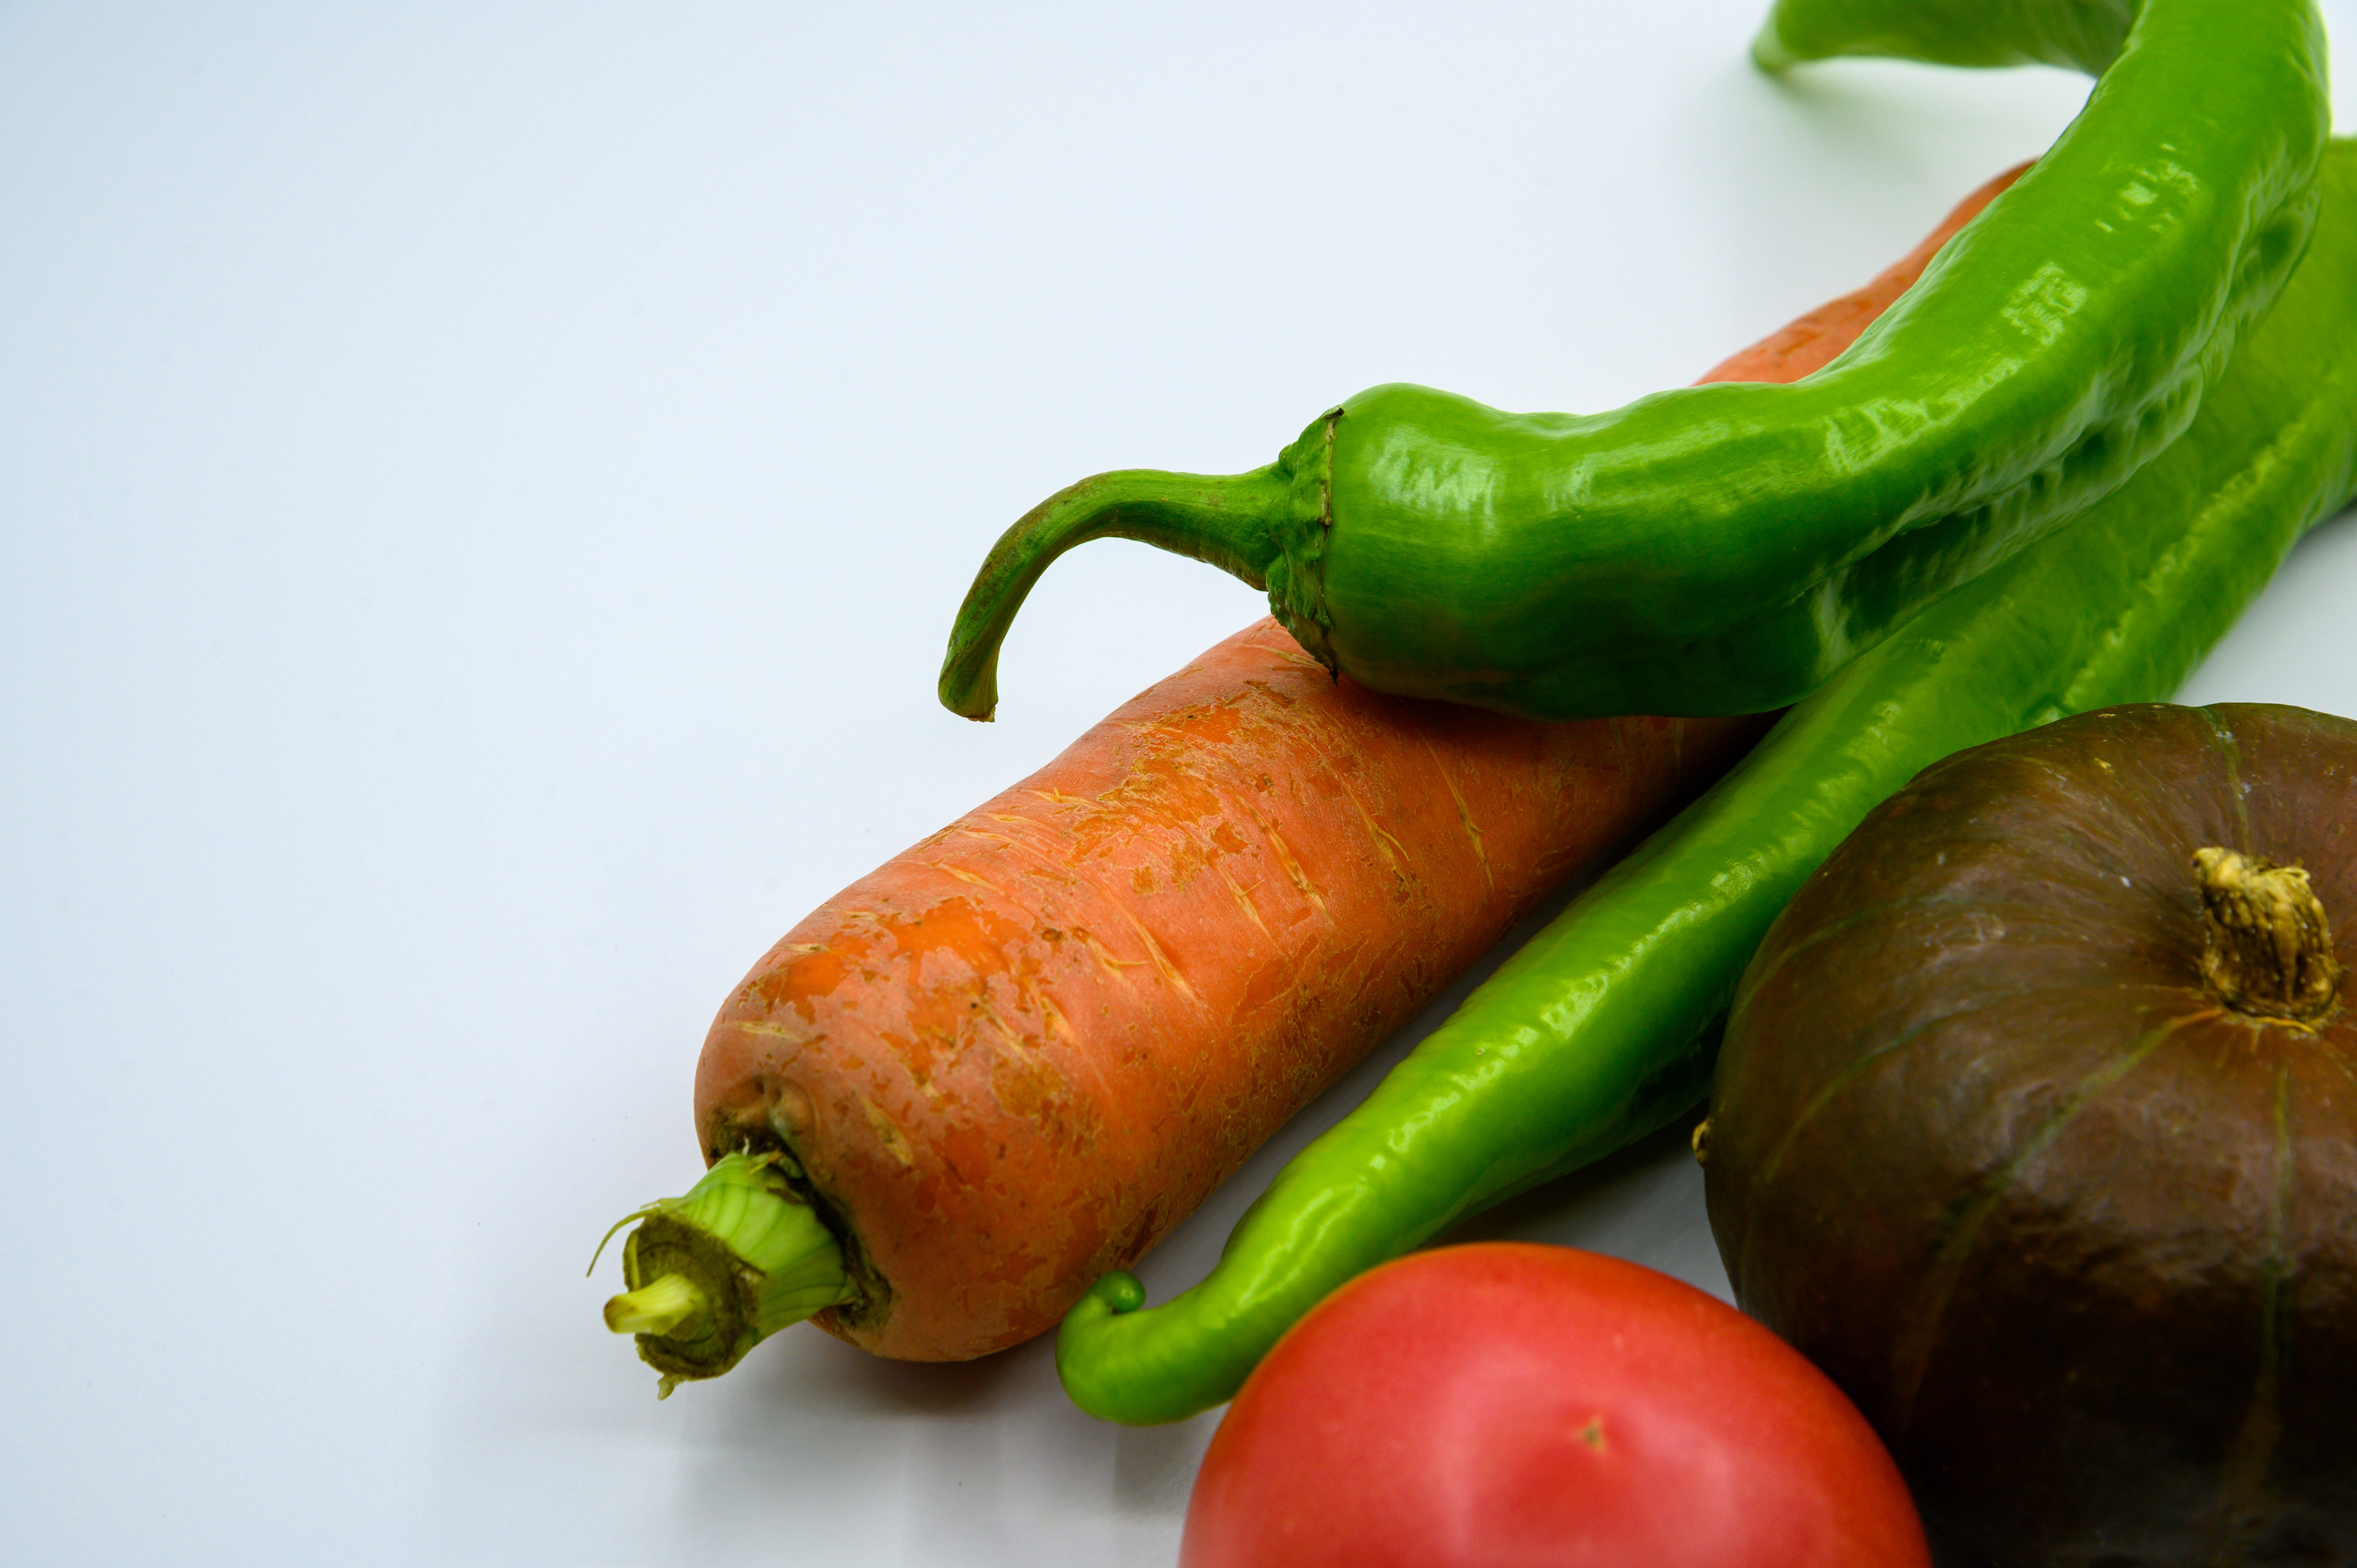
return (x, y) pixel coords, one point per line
(1011, 1059)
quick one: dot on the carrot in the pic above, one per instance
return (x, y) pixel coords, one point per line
(1010, 1059)
(1013, 1057)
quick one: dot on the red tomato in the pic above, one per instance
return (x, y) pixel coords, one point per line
(1512, 1403)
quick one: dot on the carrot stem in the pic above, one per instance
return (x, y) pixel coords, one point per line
(714, 1272)
(657, 1308)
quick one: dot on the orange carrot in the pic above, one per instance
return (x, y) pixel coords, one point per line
(1010, 1059)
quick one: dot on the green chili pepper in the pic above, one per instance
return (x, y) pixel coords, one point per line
(1723, 549)
(1598, 1032)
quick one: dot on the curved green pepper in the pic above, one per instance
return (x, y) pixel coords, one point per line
(1723, 549)
(1596, 1032)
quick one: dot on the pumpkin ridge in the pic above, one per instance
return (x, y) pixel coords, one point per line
(2333, 1048)
(1850, 1073)
(2127, 827)
(2241, 1491)
(2230, 752)
(2136, 823)
(2140, 826)
(1958, 1231)
(1915, 901)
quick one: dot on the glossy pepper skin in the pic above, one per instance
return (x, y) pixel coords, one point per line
(1724, 549)
(1598, 1032)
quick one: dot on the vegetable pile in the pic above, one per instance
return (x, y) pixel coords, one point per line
(2035, 469)
(1408, 837)
(1600, 1028)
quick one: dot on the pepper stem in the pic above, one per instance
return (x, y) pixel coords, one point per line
(1229, 521)
(2269, 952)
(714, 1272)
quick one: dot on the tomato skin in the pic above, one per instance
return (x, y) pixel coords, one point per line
(1509, 1403)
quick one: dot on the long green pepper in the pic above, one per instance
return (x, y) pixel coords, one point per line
(1724, 549)
(1594, 1034)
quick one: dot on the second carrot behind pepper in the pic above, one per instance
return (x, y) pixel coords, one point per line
(1598, 1032)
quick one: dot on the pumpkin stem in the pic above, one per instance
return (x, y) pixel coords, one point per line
(2269, 953)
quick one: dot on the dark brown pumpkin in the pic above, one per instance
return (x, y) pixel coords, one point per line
(2078, 1235)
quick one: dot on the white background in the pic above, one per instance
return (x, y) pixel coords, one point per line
(482, 492)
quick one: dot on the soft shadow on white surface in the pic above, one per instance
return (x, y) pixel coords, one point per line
(1643, 1204)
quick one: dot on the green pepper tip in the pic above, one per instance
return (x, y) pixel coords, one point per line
(1227, 519)
(1118, 1292)
(1768, 52)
